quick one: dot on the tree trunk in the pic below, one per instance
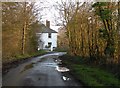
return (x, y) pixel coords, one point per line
(23, 40)
(119, 16)
(24, 28)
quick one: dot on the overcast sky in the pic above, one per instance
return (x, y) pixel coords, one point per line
(48, 11)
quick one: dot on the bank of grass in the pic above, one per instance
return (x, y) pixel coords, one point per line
(37, 53)
(95, 77)
(22, 57)
(91, 76)
(60, 49)
(14, 61)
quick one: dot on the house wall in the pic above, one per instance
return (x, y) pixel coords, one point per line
(44, 38)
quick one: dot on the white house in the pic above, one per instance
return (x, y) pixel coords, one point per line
(47, 38)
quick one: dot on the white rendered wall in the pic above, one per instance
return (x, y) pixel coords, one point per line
(44, 38)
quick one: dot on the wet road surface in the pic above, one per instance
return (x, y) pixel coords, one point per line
(40, 71)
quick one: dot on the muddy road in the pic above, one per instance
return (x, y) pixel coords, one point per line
(40, 71)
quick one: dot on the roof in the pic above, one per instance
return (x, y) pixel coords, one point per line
(44, 29)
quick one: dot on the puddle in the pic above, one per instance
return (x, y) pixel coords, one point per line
(39, 78)
(49, 64)
(58, 53)
(58, 61)
(33, 62)
(39, 61)
(62, 69)
(28, 81)
(28, 66)
(65, 78)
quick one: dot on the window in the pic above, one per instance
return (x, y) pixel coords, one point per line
(54, 48)
(49, 44)
(49, 35)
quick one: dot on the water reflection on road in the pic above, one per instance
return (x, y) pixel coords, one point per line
(40, 71)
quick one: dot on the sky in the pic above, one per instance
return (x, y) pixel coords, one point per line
(48, 11)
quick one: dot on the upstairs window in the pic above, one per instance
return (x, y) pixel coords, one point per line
(49, 35)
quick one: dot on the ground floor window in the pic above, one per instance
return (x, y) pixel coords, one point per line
(49, 44)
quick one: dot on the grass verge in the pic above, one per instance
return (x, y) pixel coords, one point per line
(16, 60)
(22, 57)
(92, 77)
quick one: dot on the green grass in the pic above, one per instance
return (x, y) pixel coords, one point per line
(28, 66)
(91, 76)
(25, 56)
(40, 52)
(60, 50)
(95, 77)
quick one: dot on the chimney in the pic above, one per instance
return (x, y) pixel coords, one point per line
(48, 23)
